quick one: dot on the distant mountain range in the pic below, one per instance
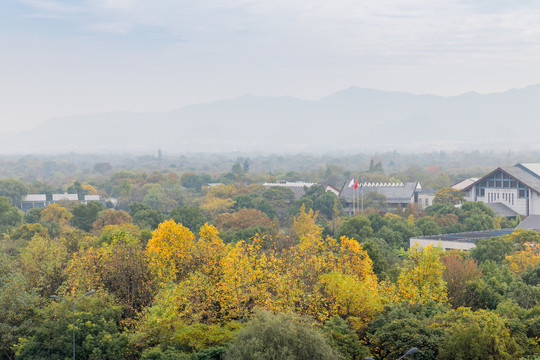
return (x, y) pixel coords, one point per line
(354, 119)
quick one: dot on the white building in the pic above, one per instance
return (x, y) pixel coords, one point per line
(513, 189)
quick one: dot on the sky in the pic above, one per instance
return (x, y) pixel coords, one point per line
(61, 58)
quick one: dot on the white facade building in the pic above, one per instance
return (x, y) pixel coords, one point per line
(516, 188)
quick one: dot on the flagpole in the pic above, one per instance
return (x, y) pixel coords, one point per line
(353, 201)
(350, 185)
(362, 191)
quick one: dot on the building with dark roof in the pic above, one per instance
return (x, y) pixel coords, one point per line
(297, 187)
(509, 190)
(531, 222)
(396, 194)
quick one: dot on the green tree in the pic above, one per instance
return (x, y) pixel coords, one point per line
(76, 188)
(98, 335)
(194, 182)
(403, 326)
(477, 216)
(144, 217)
(14, 190)
(155, 197)
(43, 262)
(190, 216)
(373, 248)
(494, 249)
(84, 216)
(480, 335)
(33, 216)
(324, 204)
(10, 217)
(280, 199)
(18, 306)
(428, 226)
(281, 336)
(448, 196)
(358, 228)
(345, 340)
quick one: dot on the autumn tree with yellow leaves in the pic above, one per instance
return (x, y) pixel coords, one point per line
(171, 251)
(421, 279)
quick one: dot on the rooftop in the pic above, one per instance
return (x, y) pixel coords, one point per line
(531, 222)
(35, 198)
(395, 193)
(466, 236)
(68, 197)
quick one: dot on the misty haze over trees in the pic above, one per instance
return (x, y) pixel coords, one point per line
(353, 120)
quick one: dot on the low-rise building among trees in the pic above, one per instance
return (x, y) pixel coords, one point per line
(515, 189)
(381, 196)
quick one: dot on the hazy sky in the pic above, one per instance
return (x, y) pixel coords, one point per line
(84, 56)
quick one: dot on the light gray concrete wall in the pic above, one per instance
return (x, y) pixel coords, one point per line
(461, 245)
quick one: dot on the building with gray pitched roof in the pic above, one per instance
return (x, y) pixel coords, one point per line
(32, 201)
(396, 194)
(515, 189)
(531, 222)
(297, 187)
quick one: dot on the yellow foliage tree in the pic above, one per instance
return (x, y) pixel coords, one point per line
(171, 251)
(212, 206)
(209, 252)
(42, 262)
(89, 189)
(354, 260)
(349, 297)
(56, 213)
(304, 224)
(242, 277)
(351, 290)
(303, 265)
(421, 279)
(524, 236)
(84, 272)
(518, 261)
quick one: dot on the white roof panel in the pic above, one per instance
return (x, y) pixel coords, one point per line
(35, 198)
(533, 167)
(68, 197)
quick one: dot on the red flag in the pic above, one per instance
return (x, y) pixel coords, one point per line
(356, 184)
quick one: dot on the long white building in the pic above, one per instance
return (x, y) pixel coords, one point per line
(513, 189)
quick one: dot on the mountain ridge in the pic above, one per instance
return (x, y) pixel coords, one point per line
(353, 119)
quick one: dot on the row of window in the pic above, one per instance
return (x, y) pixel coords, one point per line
(496, 197)
(501, 181)
(522, 193)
